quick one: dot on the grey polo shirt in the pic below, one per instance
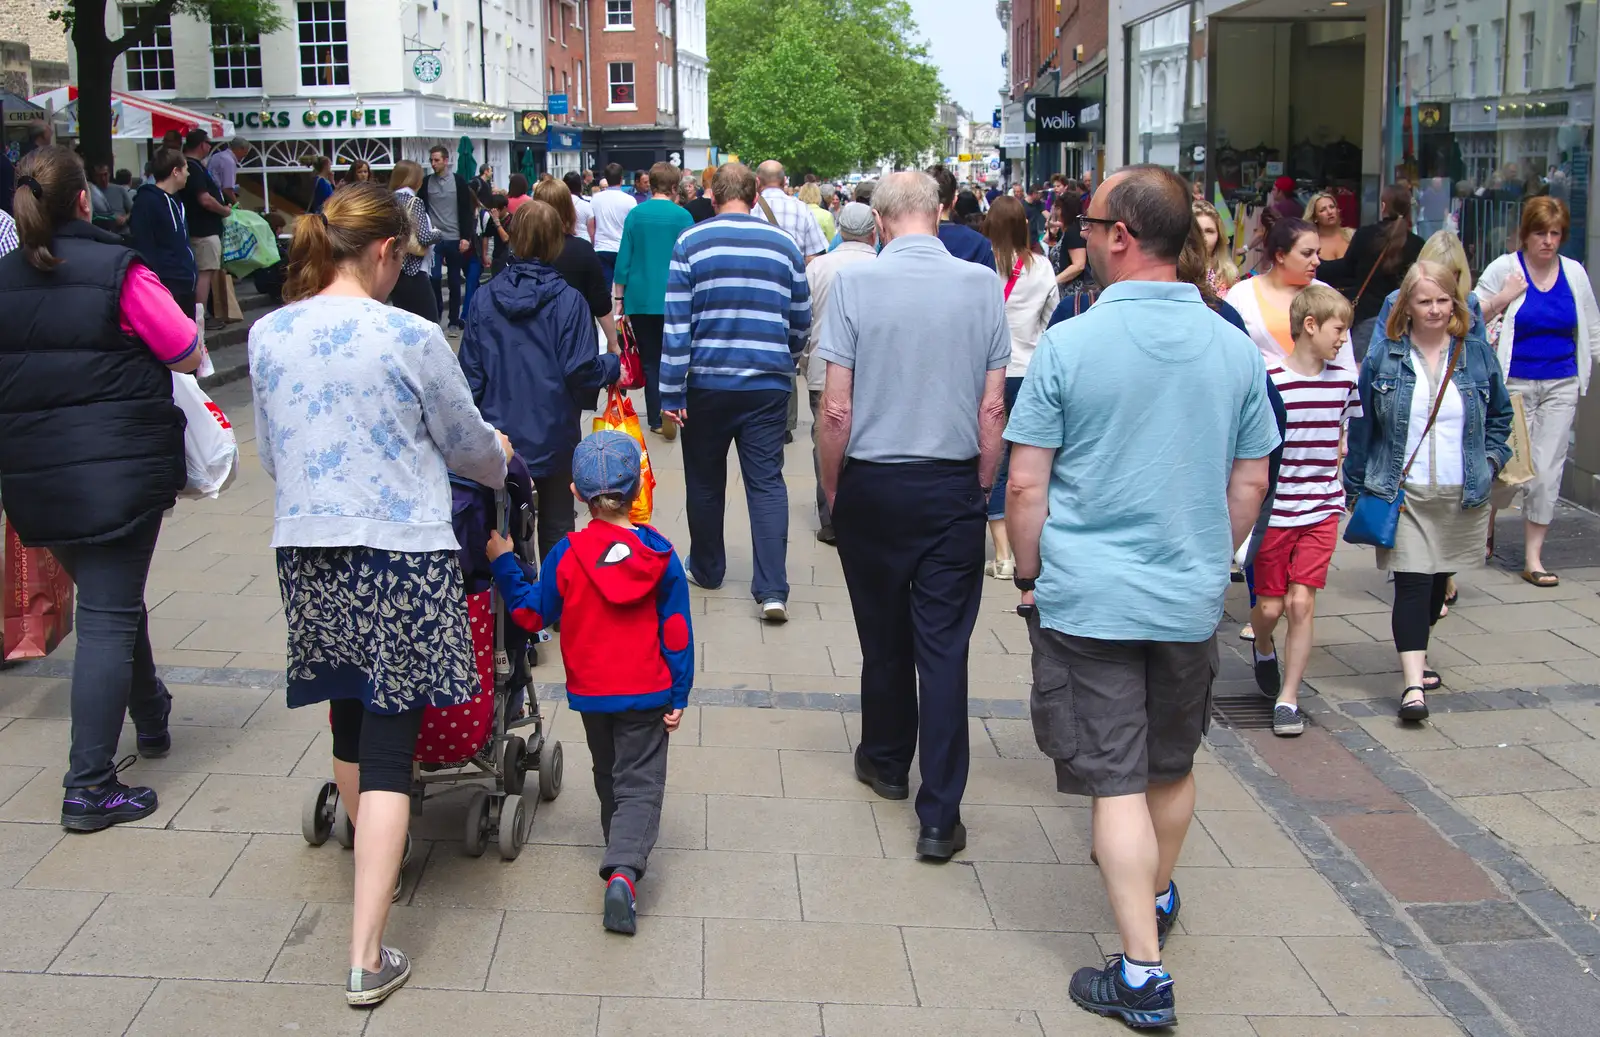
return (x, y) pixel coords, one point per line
(921, 330)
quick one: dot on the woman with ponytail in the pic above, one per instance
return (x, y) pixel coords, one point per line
(91, 456)
(361, 414)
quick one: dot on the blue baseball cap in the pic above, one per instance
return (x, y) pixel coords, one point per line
(606, 462)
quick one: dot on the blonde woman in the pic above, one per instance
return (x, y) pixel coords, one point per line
(1437, 423)
(1322, 212)
(1220, 272)
(811, 196)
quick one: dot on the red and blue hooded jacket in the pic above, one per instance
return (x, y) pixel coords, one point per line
(622, 600)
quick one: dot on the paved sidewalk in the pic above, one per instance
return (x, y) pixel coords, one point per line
(1363, 881)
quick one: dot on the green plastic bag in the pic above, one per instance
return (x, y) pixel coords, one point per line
(248, 243)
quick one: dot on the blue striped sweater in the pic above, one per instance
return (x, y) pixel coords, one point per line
(738, 309)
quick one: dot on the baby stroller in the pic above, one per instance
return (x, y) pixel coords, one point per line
(474, 740)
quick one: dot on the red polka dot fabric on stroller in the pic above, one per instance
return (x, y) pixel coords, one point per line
(455, 734)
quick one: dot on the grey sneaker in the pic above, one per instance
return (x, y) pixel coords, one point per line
(1287, 720)
(774, 611)
(367, 989)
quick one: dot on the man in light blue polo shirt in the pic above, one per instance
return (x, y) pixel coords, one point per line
(1141, 439)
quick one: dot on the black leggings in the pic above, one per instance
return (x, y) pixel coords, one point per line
(382, 744)
(414, 294)
(1418, 600)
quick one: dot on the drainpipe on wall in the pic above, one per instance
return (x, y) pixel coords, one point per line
(483, 72)
(588, 76)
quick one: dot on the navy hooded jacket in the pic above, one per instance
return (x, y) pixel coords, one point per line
(531, 356)
(161, 236)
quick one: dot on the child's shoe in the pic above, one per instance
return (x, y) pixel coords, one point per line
(620, 916)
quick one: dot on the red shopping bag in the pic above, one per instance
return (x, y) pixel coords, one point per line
(38, 601)
(632, 363)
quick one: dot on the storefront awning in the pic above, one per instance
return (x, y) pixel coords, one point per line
(136, 118)
(18, 110)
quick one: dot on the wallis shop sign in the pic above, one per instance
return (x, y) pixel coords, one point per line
(1059, 120)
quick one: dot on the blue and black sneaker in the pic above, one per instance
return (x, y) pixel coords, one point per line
(619, 910)
(113, 803)
(1166, 919)
(1106, 992)
(157, 741)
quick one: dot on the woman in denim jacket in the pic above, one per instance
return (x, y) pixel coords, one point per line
(1446, 514)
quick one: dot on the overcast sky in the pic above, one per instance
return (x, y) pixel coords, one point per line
(965, 40)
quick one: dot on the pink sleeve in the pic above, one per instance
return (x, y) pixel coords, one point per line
(149, 311)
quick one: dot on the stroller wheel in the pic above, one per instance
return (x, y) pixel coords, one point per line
(513, 821)
(343, 830)
(513, 764)
(550, 763)
(477, 835)
(316, 817)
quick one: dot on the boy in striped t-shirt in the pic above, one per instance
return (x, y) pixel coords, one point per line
(1292, 563)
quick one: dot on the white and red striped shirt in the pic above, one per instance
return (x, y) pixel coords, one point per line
(1309, 490)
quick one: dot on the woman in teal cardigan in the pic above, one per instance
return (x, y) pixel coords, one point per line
(640, 282)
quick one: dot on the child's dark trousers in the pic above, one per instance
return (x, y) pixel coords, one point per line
(630, 777)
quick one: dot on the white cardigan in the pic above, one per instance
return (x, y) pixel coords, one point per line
(1494, 279)
(1242, 297)
(1033, 300)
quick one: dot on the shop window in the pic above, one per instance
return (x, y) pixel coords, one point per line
(620, 79)
(1527, 51)
(619, 14)
(235, 58)
(150, 64)
(324, 45)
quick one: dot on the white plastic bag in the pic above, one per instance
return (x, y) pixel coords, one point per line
(210, 451)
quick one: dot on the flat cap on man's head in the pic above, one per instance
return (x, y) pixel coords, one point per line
(855, 219)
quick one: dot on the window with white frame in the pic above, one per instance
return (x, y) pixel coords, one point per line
(324, 44)
(619, 14)
(150, 64)
(578, 97)
(1427, 66)
(1527, 51)
(235, 58)
(664, 87)
(1497, 52)
(1427, 6)
(663, 18)
(1449, 65)
(1573, 36)
(619, 77)
(1472, 61)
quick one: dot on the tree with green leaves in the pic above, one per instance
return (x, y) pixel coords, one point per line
(863, 69)
(97, 52)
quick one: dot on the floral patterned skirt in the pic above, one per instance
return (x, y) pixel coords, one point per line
(386, 627)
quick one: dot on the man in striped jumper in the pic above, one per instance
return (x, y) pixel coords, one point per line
(738, 313)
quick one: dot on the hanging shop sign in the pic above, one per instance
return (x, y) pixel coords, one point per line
(427, 68)
(531, 124)
(557, 103)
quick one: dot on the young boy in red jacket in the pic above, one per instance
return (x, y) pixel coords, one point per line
(619, 592)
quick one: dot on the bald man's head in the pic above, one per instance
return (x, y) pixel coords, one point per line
(770, 174)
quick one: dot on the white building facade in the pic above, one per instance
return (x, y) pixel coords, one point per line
(372, 80)
(694, 83)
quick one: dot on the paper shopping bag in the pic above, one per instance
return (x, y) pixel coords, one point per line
(228, 307)
(38, 601)
(620, 415)
(1518, 471)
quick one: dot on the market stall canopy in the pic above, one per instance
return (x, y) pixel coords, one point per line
(132, 117)
(19, 110)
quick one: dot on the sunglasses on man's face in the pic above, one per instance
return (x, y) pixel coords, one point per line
(1084, 223)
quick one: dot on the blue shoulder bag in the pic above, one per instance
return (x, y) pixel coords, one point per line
(1374, 521)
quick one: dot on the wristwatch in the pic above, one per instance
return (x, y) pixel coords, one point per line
(1024, 583)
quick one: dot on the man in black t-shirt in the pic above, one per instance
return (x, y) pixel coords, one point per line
(1034, 203)
(204, 211)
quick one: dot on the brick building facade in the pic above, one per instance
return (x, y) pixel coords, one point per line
(633, 83)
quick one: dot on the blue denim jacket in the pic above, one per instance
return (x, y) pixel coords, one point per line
(1378, 441)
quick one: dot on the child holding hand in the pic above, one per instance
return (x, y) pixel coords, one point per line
(621, 597)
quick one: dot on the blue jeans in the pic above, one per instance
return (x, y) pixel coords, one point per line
(474, 272)
(753, 421)
(997, 495)
(114, 673)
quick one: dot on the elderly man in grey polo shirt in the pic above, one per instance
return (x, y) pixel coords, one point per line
(911, 428)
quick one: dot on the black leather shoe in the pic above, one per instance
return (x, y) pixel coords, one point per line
(940, 844)
(888, 788)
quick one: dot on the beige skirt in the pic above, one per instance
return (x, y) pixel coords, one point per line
(1435, 535)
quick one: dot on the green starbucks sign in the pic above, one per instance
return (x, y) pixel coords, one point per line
(427, 68)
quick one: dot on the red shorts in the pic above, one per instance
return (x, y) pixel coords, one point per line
(1295, 554)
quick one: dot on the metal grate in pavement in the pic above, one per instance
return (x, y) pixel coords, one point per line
(1252, 712)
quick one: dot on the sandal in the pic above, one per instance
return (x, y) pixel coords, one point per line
(1541, 578)
(1488, 554)
(1431, 681)
(1247, 633)
(1414, 709)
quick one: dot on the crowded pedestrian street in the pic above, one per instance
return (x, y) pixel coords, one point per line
(1365, 880)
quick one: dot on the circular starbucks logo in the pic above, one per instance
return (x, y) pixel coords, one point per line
(428, 68)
